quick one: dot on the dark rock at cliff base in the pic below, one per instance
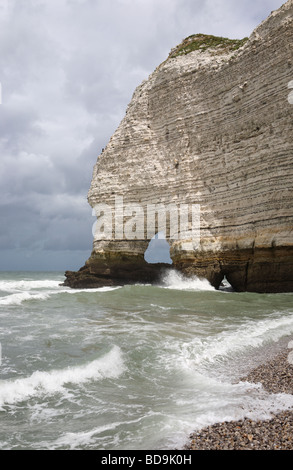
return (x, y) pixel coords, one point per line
(115, 274)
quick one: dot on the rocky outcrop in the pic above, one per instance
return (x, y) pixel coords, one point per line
(211, 128)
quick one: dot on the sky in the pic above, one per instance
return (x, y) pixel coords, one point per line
(68, 69)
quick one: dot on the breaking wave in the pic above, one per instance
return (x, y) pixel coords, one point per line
(17, 292)
(177, 281)
(41, 383)
(12, 285)
(18, 298)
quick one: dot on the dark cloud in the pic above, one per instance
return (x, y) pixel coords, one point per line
(68, 69)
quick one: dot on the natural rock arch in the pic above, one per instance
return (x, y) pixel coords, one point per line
(211, 126)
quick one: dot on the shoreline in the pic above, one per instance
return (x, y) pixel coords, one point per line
(276, 433)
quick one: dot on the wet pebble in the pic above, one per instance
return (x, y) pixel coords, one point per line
(276, 376)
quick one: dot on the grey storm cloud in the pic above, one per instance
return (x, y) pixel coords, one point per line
(68, 69)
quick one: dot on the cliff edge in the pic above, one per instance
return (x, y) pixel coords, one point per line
(205, 155)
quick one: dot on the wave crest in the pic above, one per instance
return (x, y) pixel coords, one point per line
(177, 281)
(111, 365)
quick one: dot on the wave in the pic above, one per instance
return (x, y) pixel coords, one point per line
(200, 354)
(177, 281)
(42, 382)
(73, 440)
(12, 285)
(20, 297)
(89, 291)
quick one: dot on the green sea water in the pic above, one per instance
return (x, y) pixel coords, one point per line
(134, 367)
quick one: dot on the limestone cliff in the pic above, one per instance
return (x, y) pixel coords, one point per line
(212, 127)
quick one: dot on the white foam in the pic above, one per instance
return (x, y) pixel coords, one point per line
(17, 295)
(93, 290)
(27, 285)
(20, 297)
(199, 354)
(255, 404)
(177, 281)
(74, 440)
(54, 381)
(24, 290)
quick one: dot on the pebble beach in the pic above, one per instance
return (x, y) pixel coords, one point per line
(276, 376)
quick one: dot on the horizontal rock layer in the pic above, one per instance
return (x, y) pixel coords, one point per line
(212, 128)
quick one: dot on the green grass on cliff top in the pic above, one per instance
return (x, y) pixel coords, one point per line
(203, 42)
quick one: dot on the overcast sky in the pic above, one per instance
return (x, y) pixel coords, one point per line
(68, 69)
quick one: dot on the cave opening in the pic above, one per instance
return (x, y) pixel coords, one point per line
(158, 250)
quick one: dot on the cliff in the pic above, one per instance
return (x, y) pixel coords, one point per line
(209, 134)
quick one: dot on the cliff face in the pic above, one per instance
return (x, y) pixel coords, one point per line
(210, 130)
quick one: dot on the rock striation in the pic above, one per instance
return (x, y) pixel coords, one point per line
(211, 128)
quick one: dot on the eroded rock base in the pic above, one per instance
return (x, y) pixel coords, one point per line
(114, 271)
(255, 270)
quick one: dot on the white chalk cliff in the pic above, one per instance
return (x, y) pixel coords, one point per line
(212, 126)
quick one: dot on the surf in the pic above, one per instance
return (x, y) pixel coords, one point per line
(41, 383)
(177, 281)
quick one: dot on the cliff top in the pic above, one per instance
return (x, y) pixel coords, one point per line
(216, 45)
(203, 42)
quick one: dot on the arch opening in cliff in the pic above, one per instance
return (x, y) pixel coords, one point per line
(158, 250)
(235, 160)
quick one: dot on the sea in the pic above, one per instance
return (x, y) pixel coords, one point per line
(131, 367)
